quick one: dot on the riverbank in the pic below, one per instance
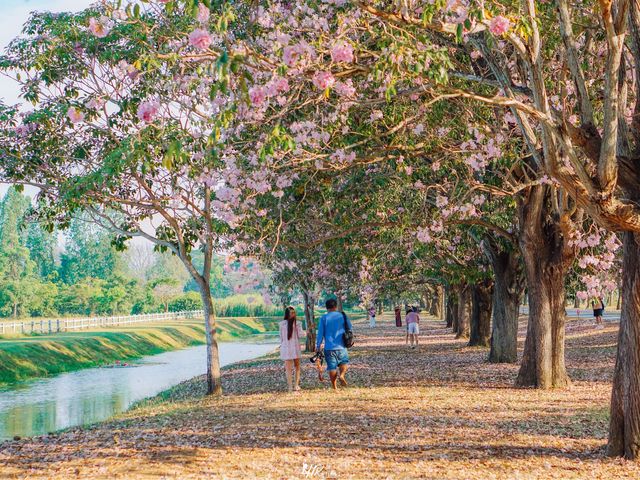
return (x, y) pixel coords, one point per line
(32, 356)
(437, 412)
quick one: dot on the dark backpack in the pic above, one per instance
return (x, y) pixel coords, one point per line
(347, 336)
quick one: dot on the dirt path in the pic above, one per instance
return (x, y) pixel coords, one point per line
(436, 412)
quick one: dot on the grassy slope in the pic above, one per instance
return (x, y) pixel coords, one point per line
(25, 357)
(438, 412)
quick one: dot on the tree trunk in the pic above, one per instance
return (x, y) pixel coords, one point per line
(507, 294)
(432, 302)
(547, 258)
(576, 302)
(309, 319)
(464, 312)
(214, 383)
(452, 307)
(339, 300)
(619, 302)
(624, 424)
(439, 302)
(481, 298)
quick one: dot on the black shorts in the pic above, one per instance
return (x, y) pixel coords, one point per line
(597, 312)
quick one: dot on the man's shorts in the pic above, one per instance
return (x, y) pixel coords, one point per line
(335, 358)
(413, 328)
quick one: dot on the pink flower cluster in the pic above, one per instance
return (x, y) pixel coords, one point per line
(203, 13)
(148, 111)
(25, 129)
(323, 80)
(75, 115)
(342, 52)
(423, 235)
(292, 54)
(100, 27)
(345, 89)
(274, 88)
(499, 25)
(343, 158)
(200, 39)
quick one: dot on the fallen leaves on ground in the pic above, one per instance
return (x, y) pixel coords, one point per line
(440, 411)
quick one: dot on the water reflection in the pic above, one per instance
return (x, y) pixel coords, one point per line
(95, 394)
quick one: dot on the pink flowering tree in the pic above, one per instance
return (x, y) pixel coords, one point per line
(123, 127)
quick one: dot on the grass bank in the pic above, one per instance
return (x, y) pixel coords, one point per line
(31, 356)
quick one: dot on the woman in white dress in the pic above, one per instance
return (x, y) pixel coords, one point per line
(290, 333)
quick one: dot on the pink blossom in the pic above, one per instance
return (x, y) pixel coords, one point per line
(323, 80)
(345, 89)
(203, 13)
(418, 129)
(201, 39)
(147, 111)
(376, 115)
(290, 55)
(441, 201)
(99, 28)
(459, 8)
(75, 115)
(25, 129)
(499, 25)
(257, 95)
(342, 52)
(423, 235)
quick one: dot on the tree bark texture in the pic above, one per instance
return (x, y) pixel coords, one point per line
(507, 294)
(624, 424)
(451, 307)
(309, 319)
(464, 311)
(547, 257)
(481, 301)
(214, 382)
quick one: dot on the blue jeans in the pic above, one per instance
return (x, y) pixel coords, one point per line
(335, 358)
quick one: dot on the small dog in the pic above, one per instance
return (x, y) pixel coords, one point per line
(318, 360)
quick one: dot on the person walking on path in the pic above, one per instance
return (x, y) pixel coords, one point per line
(372, 317)
(290, 333)
(398, 314)
(331, 329)
(598, 310)
(413, 326)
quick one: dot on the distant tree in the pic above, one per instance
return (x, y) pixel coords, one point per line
(41, 245)
(165, 290)
(139, 259)
(88, 252)
(17, 270)
(166, 265)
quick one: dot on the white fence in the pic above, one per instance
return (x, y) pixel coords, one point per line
(69, 324)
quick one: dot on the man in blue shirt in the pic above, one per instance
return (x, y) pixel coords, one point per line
(331, 331)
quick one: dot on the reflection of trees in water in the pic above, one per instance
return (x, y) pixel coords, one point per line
(30, 419)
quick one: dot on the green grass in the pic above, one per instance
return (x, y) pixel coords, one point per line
(32, 356)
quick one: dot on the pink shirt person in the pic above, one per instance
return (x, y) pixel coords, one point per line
(412, 317)
(290, 348)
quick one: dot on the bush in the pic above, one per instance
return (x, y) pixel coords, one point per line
(186, 302)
